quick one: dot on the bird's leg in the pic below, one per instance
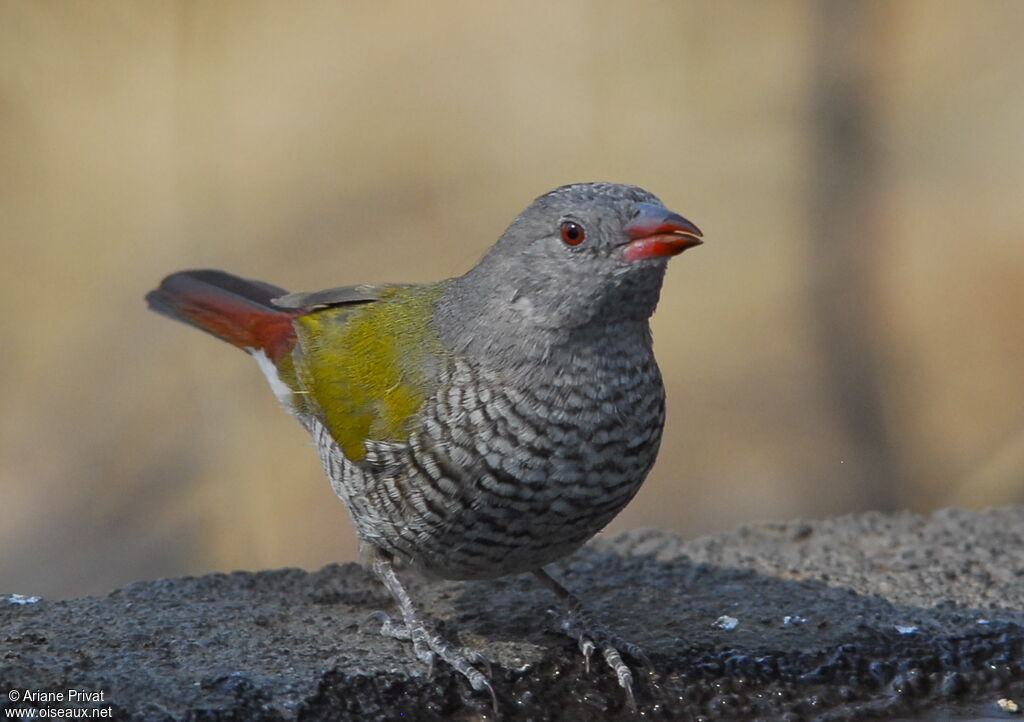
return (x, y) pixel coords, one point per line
(578, 624)
(426, 643)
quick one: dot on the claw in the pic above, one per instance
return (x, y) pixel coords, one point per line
(614, 660)
(478, 682)
(587, 647)
(388, 626)
(424, 653)
(589, 635)
(379, 615)
(630, 699)
(427, 644)
(475, 657)
(637, 653)
(558, 620)
(622, 673)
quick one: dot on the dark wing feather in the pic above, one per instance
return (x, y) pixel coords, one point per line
(331, 296)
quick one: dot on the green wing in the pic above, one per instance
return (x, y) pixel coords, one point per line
(366, 367)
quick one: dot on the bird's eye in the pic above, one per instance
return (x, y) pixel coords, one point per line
(572, 233)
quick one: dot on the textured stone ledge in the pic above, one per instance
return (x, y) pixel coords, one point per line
(851, 618)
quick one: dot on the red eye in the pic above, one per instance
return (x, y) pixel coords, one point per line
(572, 233)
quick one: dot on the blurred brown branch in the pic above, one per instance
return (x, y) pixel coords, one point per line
(848, 239)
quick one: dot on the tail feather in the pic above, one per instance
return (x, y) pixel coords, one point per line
(232, 308)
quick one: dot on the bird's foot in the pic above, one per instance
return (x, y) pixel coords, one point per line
(591, 636)
(427, 644)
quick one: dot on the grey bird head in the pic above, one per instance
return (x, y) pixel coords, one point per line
(582, 254)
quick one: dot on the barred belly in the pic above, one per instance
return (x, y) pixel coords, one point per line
(498, 477)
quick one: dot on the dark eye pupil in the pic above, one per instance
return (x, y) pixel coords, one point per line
(572, 233)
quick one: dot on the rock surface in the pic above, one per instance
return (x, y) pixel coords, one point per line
(858, 617)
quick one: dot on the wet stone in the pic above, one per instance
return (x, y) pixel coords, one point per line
(294, 645)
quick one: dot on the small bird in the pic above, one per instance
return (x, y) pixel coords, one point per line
(483, 425)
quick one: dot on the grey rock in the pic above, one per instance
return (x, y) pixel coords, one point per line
(858, 617)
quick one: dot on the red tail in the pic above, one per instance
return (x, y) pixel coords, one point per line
(231, 308)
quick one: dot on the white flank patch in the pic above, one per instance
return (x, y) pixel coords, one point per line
(280, 388)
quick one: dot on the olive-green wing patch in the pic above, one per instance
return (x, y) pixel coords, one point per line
(366, 369)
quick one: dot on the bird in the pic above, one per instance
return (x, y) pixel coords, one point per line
(480, 426)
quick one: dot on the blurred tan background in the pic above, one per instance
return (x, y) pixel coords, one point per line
(850, 337)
